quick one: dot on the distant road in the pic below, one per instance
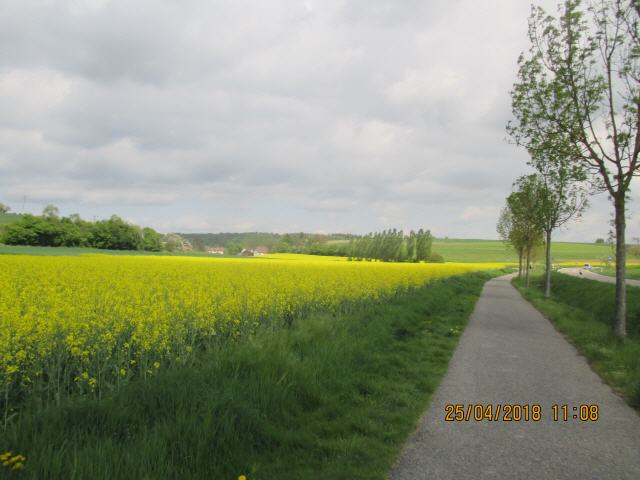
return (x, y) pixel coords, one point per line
(581, 272)
(510, 354)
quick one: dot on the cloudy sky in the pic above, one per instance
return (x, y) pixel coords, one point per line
(286, 115)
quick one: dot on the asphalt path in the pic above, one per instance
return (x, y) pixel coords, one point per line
(591, 275)
(510, 354)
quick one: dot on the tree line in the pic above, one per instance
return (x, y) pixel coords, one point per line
(52, 230)
(394, 246)
(299, 242)
(576, 108)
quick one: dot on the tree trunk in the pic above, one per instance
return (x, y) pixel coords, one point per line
(621, 289)
(520, 263)
(528, 265)
(547, 273)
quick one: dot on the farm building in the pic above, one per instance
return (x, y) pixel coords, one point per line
(261, 250)
(246, 253)
(215, 250)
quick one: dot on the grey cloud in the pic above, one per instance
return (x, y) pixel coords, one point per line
(283, 115)
(390, 13)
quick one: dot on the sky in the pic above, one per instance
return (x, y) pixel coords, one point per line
(283, 116)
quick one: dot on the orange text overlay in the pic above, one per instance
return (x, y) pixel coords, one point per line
(513, 412)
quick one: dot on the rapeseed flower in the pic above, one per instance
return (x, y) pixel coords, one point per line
(81, 323)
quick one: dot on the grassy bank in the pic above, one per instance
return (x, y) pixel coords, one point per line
(583, 311)
(632, 271)
(332, 397)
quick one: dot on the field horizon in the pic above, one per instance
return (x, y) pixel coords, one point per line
(452, 249)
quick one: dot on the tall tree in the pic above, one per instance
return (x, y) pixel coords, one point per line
(563, 196)
(411, 246)
(509, 233)
(50, 212)
(581, 79)
(151, 240)
(525, 204)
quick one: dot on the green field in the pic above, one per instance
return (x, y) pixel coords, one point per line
(454, 250)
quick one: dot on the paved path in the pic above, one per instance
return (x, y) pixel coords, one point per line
(576, 272)
(509, 353)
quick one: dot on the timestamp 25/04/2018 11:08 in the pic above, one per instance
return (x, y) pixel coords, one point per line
(459, 412)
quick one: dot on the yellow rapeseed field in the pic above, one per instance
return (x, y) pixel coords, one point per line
(86, 324)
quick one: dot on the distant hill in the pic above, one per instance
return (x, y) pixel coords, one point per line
(254, 239)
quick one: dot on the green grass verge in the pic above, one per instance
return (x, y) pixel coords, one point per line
(331, 397)
(632, 271)
(583, 311)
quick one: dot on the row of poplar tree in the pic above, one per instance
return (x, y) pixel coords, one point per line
(394, 246)
(576, 109)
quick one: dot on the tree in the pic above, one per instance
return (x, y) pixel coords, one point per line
(4, 208)
(560, 183)
(116, 234)
(424, 241)
(75, 218)
(50, 211)
(581, 80)
(25, 231)
(562, 197)
(172, 242)
(391, 245)
(151, 240)
(600, 241)
(233, 248)
(525, 205)
(508, 232)
(411, 247)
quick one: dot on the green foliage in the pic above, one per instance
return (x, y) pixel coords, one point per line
(116, 234)
(275, 242)
(233, 248)
(151, 240)
(51, 230)
(393, 246)
(329, 397)
(582, 67)
(32, 230)
(521, 221)
(577, 99)
(4, 208)
(386, 246)
(50, 212)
